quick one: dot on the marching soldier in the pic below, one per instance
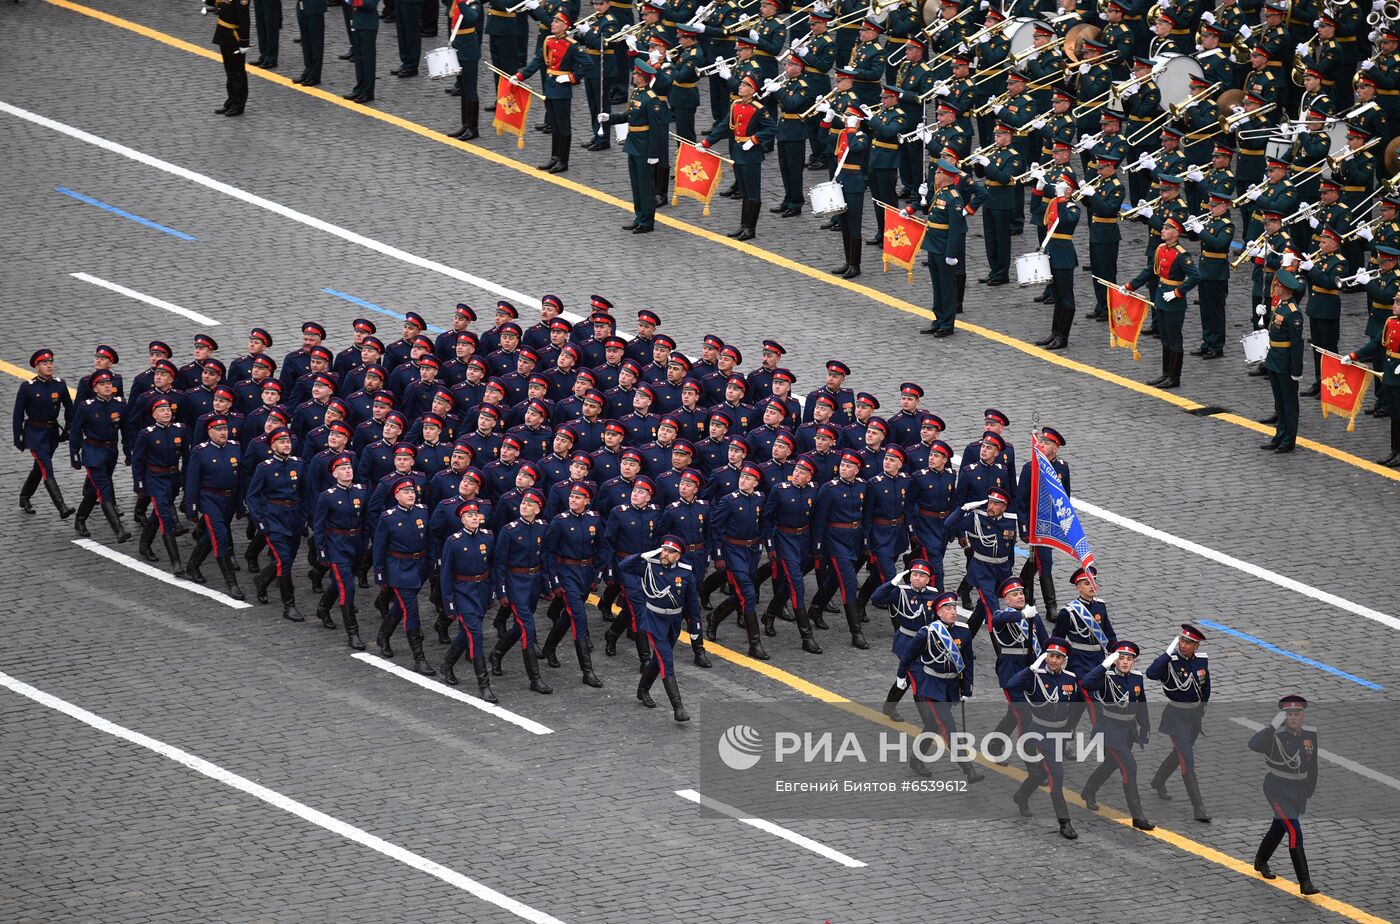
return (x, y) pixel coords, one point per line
(1386, 343)
(465, 577)
(274, 498)
(1290, 758)
(943, 650)
(989, 535)
(231, 36)
(914, 602)
(338, 530)
(93, 434)
(1105, 199)
(37, 431)
(1018, 637)
(402, 562)
(794, 99)
(749, 128)
(1184, 672)
(157, 457)
(1176, 274)
(212, 498)
(1050, 691)
(103, 359)
(570, 558)
(645, 146)
(1050, 442)
(836, 523)
(667, 594)
(736, 534)
(1120, 716)
(1215, 232)
(787, 525)
(629, 528)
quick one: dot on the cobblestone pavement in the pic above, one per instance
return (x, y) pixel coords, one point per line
(583, 823)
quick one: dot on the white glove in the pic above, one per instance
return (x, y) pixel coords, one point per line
(996, 110)
(1289, 258)
(1195, 175)
(604, 117)
(631, 41)
(1084, 143)
(1038, 173)
(1297, 378)
(654, 57)
(1194, 224)
(724, 71)
(973, 505)
(941, 88)
(1061, 189)
(1364, 233)
(1029, 611)
(1348, 361)
(986, 36)
(1312, 222)
(1088, 189)
(902, 682)
(653, 161)
(925, 134)
(1363, 278)
(923, 190)
(1169, 295)
(747, 145)
(753, 35)
(951, 261)
(1259, 311)
(1301, 49)
(533, 5)
(1367, 64)
(981, 159)
(694, 637)
(583, 29)
(240, 51)
(1245, 32)
(1084, 68)
(1147, 162)
(1377, 5)
(824, 107)
(1208, 17)
(1254, 250)
(1038, 122)
(1147, 212)
(799, 47)
(562, 78)
(515, 81)
(962, 48)
(1130, 90)
(1278, 720)
(986, 5)
(770, 85)
(1253, 194)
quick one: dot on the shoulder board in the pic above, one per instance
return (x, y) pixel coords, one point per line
(328, 490)
(203, 444)
(1136, 673)
(1070, 673)
(1202, 655)
(1309, 728)
(651, 95)
(1009, 516)
(960, 625)
(681, 564)
(149, 429)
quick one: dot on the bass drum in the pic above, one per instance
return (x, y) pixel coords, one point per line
(1021, 32)
(1174, 76)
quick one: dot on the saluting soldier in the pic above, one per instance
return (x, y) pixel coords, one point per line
(1184, 672)
(667, 595)
(645, 146)
(1176, 274)
(913, 601)
(1284, 361)
(1215, 232)
(1290, 757)
(1051, 692)
(1119, 708)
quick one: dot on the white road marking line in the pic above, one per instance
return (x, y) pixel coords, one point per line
(437, 686)
(816, 847)
(141, 567)
(279, 801)
(149, 300)
(1345, 763)
(519, 297)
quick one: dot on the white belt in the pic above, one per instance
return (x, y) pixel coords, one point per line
(990, 560)
(909, 632)
(1288, 775)
(660, 612)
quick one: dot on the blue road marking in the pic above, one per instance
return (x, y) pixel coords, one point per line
(373, 307)
(1270, 646)
(125, 214)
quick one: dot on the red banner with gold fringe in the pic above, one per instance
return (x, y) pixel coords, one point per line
(512, 109)
(1126, 312)
(1343, 387)
(902, 240)
(697, 174)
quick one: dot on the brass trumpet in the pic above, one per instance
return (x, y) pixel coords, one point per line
(1132, 212)
(1048, 165)
(743, 25)
(713, 66)
(1335, 162)
(817, 105)
(1245, 254)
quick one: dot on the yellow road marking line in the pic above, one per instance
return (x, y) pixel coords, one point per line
(899, 304)
(25, 375)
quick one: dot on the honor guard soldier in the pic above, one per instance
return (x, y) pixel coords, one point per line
(1050, 691)
(157, 457)
(364, 35)
(559, 57)
(946, 245)
(1050, 442)
(1386, 343)
(1215, 232)
(1323, 272)
(990, 535)
(1084, 623)
(998, 170)
(1184, 672)
(570, 559)
(1284, 361)
(402, 562)
(231, 36)
(1176, 274)
(465, 578)
(1018, 637)
(339, 533)
(852, 152)
(1119, 709)
(937, 665)
(93, 436)
(212, 498)
(645, 146)
(749, 128)
(667, 594)
(1290, 760)
(913, 601)
(837, 523)
(736, 536)
(274, 499)
(37, 431)
(1104, 196)
(1061, 220)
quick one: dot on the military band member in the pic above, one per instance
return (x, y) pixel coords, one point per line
(794, 99)
(998, 170)
(1120, 716)
(749, 128)
(559, 57)
(599, 69)
(1104, 196)
(1176, 274)
(645, 146)
(1323, 272)
(867, 63)
(852, 151)
(945, 242)
(914, 79)
(882, 172)
(686, 60)
(231, 35)
(1290, 757)
(1384, 345)
(1215, 232)
(1061, 218)
(1142, 104)
(364, 33)
(1284, 361)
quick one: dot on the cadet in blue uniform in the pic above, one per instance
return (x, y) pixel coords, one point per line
(212, 498)
(1119, 706)
(466, 592)
(1290, 758)
(887, 501)
(37, 431)
(787, 530)
(274, 499)
(990, 534)
(1049, 690)
(837, 524)
(688, 519)
(1184, 673)
(1084, 623)
(932, 495)
(156, 460)
(937, 665)
(1039, 560)
(736, 532)
(913, 601)
(337, 528)
(1018, 637)
(629, 528)
(570, 558)
(516, 574)
(93, 435)
(402, 561)
(667, 593)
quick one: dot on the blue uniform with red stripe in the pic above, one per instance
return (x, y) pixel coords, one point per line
(787, 527)
(666, 597)
(275, 503)
(571, 544)
(837, 520)
(402, 560)
(339, 534)
(933, 497)
(36, 429)
(93, 439)
(156, 459)
(211, 491)
(518, 576)
(465, 582)
(887, 500)
(736, 532)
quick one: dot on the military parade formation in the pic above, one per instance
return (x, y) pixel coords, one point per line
(511, 469)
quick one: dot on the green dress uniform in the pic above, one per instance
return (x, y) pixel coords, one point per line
(945, 239)
(719, 44)
(852, 154)
(998, 170)
(831, 129)
(1216, 235)
(794, 99)
(1091, 81)
(1280, 197)
(882, 171)
(902, 22)
(1217, 67)
(598, 68)
(503, 29)
(1380, 295)
(993, 52)
(1324, 311)
(1061, 219)
(1216, 181)
(769, 37)
(749, 128)
(1175, 272)
(1017, 113)
(867, 61)
(1279, 44)
(1308, 155)
(951, 137)
(364, 23)
(646, 140)
(685, 87)
(1386, 74)
(1263, 84)
(1201, 126)
(1141, 108)
(231, 35)
(1117, 39)
(913, 81)
(1105, 201)
(1249, 163)
(1357, 176)
(817, 62)
(1284, 364)
(311, 26)
(465, 17)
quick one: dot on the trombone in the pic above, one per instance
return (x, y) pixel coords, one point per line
(935, 28)
(1234, 119)
(1178, 110)
(631, 31)
(1038, 168)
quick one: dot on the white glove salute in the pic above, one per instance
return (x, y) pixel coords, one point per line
(1169, 295)
(973, 505)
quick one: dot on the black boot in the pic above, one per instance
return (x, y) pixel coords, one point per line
(420, 663)
(148, 535)
(853, 270)
(289, 597)
(483, 679)
(804, 628)
(323, 613)
(585, 663)
(1067, 830)
(702, 657)
(386, 630)
(84, 511)
(853, 623)
(553, 154)
(769, 617)
(231, 587)
(453, 653)
(673, 693)
(1135, 808)
(890, 709)
(440, 626)
(1198, 805)
(816, 617)
(1300, 868)
(565, 141)
(846, 263)
(755, 641)
(1171, 359)
(56, 495)
(717, 616)
(1047, 594)
(352, 627)
(197, 556)
(1166, 370)
(172, 552)
(260, 583)
(644, 685)
(532, 670)
(469, 121)
(26, 491)
(1265, 851)
(560, 625)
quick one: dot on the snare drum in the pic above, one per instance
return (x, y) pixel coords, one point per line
(1256, 346)
(1033, 269)
(827, 199)
(442, 63)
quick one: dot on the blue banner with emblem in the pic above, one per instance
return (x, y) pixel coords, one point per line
(1053, 519)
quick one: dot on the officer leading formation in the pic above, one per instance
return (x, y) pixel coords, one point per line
(512, 469)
